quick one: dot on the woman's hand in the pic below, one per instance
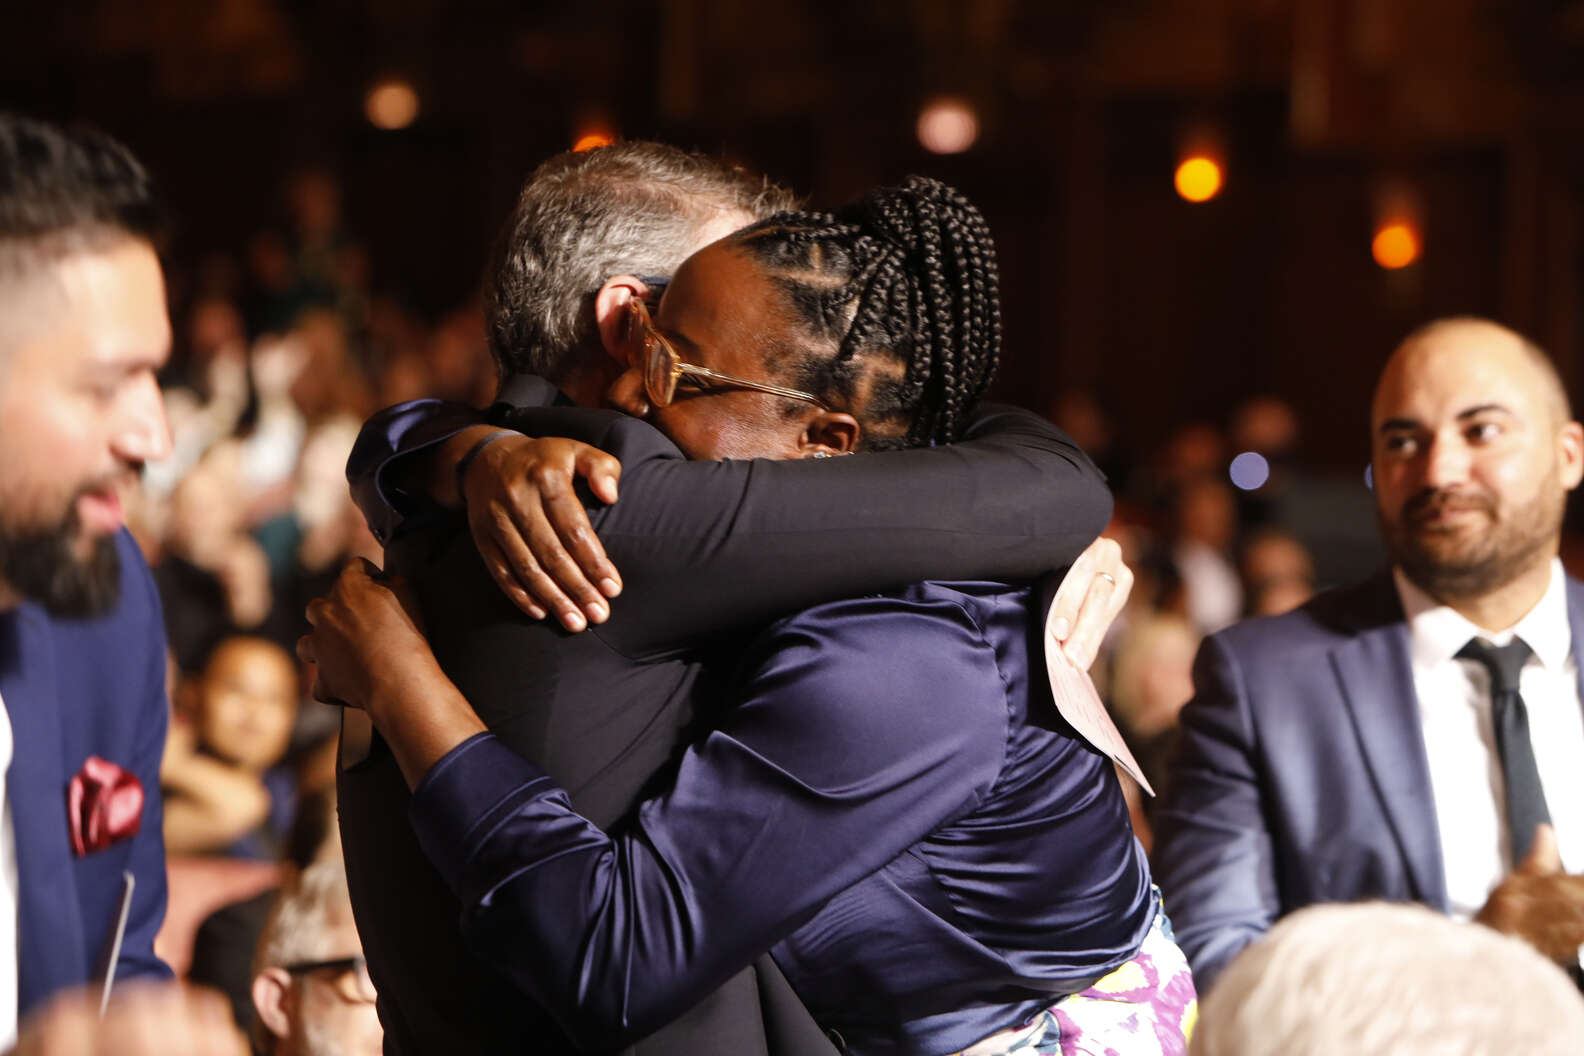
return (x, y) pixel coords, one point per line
(1090, 598)
(532, 531)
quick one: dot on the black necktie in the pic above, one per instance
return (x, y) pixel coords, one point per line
(1526, 805)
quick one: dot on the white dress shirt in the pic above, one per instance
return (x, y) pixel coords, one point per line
(1460, 741)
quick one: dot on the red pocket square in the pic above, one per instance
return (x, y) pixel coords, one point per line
(104, 803)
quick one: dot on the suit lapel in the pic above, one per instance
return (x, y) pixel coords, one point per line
(1575, 611)
(1376, 678)
(49, 921)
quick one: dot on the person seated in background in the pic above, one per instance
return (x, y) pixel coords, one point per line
(1278, 573)
(1380, 979)
(213, 577)
(859, 810)
(1151, 680)
(224, 790)
(1417, 736)
(311, 989)
(227, 940)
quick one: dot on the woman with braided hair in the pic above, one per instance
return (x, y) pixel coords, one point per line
(894, 807)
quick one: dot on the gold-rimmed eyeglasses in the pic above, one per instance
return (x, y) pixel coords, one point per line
(663, 367)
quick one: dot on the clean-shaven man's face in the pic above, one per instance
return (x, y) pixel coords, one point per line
(81, 336)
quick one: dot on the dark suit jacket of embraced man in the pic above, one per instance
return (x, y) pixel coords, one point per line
(710, 552)
(1346, 751)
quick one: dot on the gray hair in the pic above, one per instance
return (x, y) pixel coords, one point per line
(299, 922)
(632, 208)
(1384, 980)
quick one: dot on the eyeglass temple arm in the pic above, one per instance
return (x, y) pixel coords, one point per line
(758, 386)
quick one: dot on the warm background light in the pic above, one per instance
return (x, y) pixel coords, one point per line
(391, 105)
(1198, 179)
(590, 138)
(1396, 245)
(947, 125)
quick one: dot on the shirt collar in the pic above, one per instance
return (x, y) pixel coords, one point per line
(1438, 631)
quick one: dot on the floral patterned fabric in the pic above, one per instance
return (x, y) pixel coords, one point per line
(1145, 1007)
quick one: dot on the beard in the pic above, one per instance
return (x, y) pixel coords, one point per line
(1465, 563)
(44, 566)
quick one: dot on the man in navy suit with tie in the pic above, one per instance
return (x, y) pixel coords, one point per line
(1419, 736)
(83, 327)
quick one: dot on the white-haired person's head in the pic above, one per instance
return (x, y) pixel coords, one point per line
(1380, 979)
(310, 984)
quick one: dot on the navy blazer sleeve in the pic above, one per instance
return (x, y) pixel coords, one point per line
(826, 771)
(1214, 856)
(705, 547)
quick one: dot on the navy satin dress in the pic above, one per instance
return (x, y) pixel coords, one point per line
(895, 807)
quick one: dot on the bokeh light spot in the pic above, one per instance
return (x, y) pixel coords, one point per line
(1249, 471)
(1198, 179)
(947, 125)
(1396, 245)
(391, 105)
(592, 138)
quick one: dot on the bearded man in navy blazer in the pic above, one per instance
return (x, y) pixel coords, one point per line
(83, 327)
(1350, 749)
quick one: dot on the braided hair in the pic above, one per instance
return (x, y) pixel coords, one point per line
(902, 286)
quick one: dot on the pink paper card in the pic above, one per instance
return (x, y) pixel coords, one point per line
(1080, 704)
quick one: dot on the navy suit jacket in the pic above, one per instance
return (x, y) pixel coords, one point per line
(72, 689)
(1301, 776)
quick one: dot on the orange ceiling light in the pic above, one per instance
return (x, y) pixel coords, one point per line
(591, 138)
(1396, 245)
(1198, 178)
(947, 124)
(391, 105)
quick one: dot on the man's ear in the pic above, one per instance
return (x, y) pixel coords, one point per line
(610, 313)
(830, 433)
(1570, 454)
(272, 999)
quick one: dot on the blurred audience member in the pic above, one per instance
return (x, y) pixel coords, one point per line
(214, 577)
(271, 446)
(1379, 742)
(319, 533)
(224, 790)
(311, 988)
(1330, 514)
(1278, 573)
(1151, 680)
(228, 938)
(1080, 414)
(1205, 520)
(1388, 980)
(1195, 451)
(460, 365)
(331, 381)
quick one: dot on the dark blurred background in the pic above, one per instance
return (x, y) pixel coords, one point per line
(1329, 118)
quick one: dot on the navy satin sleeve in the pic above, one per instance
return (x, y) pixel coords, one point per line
(865, 726)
